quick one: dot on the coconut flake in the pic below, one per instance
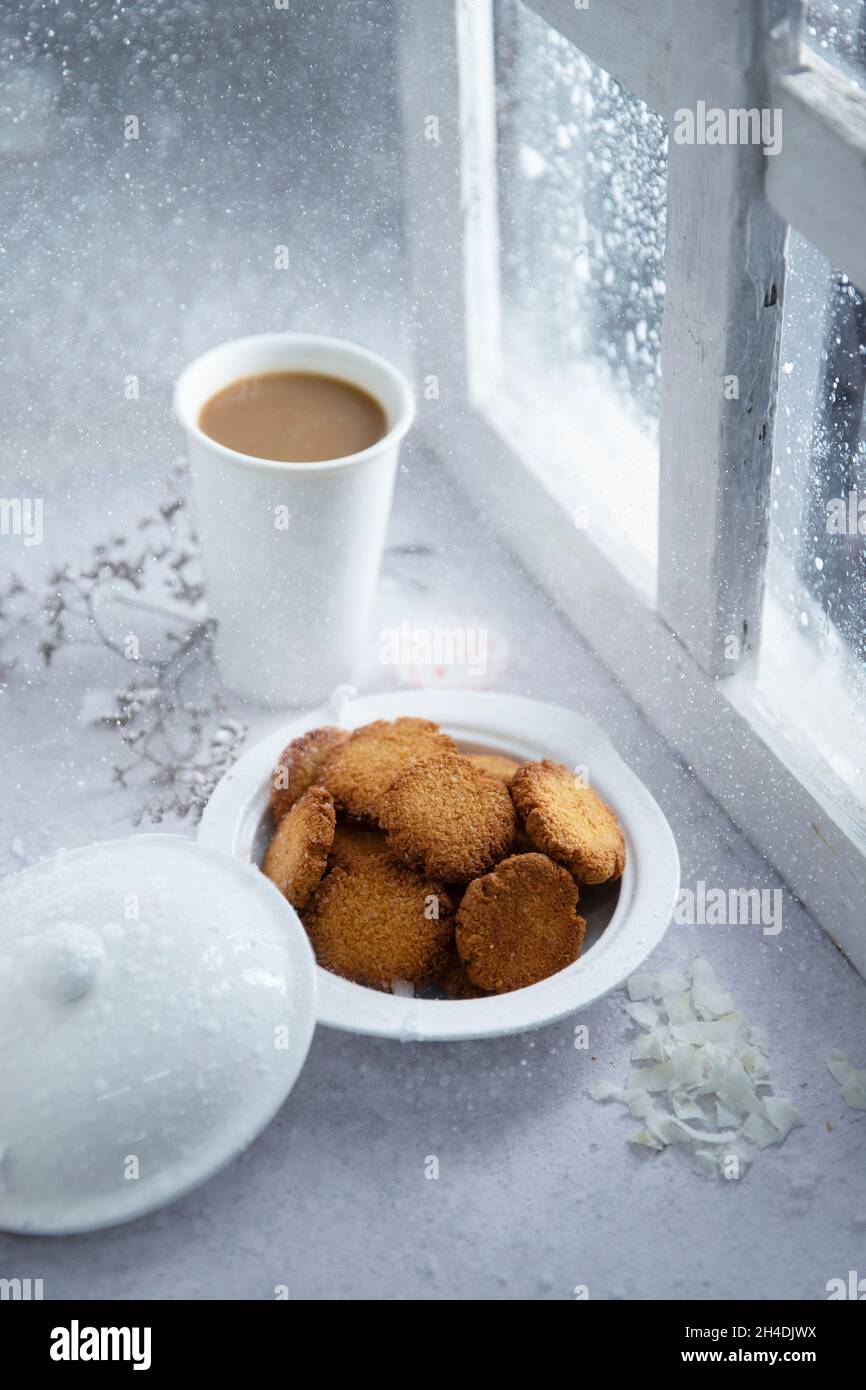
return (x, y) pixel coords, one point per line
(854, 1091)
(737, 1092)
(687, 1109)
(782, 1114)
(640, 987)
(648, 1047)
(644, 1015)
(638, 1102)
(670, 982)
(852, 1081)
(697, 1045)
(686, 1066)
(712, 1003)
(667, 1128)
(644, 1137)
(725, 1118)
(653, 1078)
(679, 1007)
(708, 997)
(646, 986)
(726, 1032)
(708, 1136)
(605, 1090)
(756, 1065)
(759, 1133)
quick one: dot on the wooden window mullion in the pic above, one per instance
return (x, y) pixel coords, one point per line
(725, 275)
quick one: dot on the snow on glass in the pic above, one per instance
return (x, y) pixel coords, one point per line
(582, 189)
(836, 29)
(155, 155)
(815, 604)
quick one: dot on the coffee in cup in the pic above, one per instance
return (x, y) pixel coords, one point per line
(293, 417)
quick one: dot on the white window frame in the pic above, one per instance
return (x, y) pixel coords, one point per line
(715, 462)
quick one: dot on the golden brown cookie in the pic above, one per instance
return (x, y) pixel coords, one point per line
(496, 764)
(297, 856)
(569, 821)
(354, 845)
(360, 772)
(522, 843)
(518, 924)
(380, 923)
(449, 817)
(298, 765)
(455, 982)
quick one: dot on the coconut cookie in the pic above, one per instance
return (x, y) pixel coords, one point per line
(297, 856)
(569, 821)
(381, 922)
(449, 817)
(455, 982)
(355, 845)
(298, 766)
(518, 924)
(359, 773)
(496, 764)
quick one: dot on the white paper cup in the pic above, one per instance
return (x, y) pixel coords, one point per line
(291, 551)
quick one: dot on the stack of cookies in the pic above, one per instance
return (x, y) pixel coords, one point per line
(411, 863)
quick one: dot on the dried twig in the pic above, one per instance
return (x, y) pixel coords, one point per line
(181, 746)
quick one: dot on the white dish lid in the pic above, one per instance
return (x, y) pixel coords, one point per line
(157, 1002)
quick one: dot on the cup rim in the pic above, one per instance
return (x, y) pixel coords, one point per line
(402, 423)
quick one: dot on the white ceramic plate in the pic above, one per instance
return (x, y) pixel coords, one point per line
(625, 921)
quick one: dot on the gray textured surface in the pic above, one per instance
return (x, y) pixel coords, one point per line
(538, 1189)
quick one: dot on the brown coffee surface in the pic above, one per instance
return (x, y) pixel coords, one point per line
(293, 417)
